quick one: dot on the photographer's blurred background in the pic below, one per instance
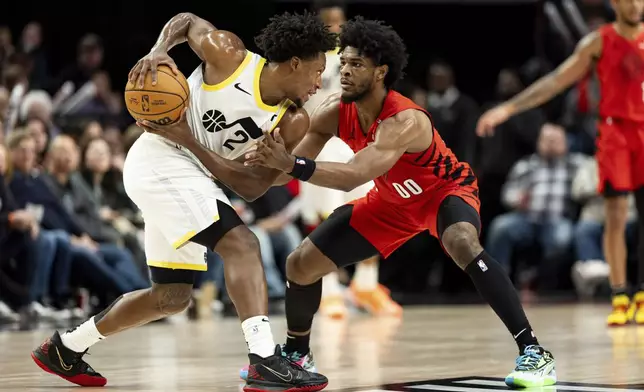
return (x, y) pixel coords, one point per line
(71, 240)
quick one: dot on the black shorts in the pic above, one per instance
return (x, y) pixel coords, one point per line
(344, 245)
(209, 237)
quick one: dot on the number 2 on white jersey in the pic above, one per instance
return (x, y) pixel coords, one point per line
(407, 189)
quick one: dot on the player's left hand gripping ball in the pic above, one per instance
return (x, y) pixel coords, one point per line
(178, 132)
(271, 152)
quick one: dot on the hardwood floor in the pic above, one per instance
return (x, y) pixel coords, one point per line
(465, 343)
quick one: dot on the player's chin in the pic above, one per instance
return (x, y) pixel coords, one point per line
(348, 97)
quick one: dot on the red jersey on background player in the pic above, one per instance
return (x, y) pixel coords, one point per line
(617, 51)
(419, 185)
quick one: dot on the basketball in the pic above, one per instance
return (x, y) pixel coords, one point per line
(162, 103)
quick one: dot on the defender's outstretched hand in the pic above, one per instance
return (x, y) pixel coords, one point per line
(271, 152)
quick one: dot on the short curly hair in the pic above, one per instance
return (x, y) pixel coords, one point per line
(379, 42)
(295, 35)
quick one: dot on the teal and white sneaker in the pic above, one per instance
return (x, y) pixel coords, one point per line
(305, 361)
(534, 368)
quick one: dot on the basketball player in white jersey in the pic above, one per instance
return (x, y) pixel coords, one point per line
(235, 96)
(318, 202)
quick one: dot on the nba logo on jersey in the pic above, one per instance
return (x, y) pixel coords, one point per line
(482, 265)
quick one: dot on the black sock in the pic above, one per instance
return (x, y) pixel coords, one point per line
(619, 290)
(495, 287)
(302, 302)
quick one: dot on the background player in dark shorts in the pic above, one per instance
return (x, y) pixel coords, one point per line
(420, 185)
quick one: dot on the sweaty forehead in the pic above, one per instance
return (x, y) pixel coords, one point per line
(353, 54)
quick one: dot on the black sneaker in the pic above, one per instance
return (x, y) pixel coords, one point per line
(53, 357)
(277, 373)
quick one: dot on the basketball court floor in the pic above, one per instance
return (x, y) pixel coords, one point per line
(456, 348)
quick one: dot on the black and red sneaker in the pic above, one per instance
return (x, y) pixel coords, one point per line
(278, 373)
(53, 357)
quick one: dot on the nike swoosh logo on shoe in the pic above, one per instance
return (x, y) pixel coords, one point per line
(62, 363)
(288, 377)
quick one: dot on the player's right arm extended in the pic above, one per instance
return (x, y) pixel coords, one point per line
(323, 126)
(569, 72)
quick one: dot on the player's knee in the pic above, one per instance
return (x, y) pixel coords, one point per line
(616, 211)
(171, 298)
(238, 242)
(306, 264)
(462, 243)
(297, 270)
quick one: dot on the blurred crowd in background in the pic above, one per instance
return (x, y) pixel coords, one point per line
(71, 240)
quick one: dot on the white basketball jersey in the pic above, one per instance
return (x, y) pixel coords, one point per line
(230, 116)
(330, 81)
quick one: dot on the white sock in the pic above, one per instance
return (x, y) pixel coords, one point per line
(258, 335)
(331, 285)
(366, 276)
(83, 337)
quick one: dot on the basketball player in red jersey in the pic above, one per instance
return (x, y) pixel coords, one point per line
(617, 52)
(420, 185)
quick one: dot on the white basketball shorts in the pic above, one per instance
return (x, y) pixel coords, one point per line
(177, 198)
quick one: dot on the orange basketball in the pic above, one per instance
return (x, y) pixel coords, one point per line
(162, 103)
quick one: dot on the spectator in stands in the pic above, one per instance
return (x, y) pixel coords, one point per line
(106, 184)
(454, 114)
(9, 289)
(84, 88)
(34, 252)
(6, 47)
(68, 185)
(90, 268)
(538, 190)
(40, 132)
(16, 81)
(591, 268)
(4, 102)
(31, 45)
(37, 104)
(512, 141)
(114, 139)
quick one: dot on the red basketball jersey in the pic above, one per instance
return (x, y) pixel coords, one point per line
(416, 177)
(621, 75)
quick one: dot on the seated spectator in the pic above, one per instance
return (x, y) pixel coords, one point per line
(538, 190)
(106, 184)
(77, 199)
(34, 252)
(40, 132)
(89, 268)
(591, 268)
